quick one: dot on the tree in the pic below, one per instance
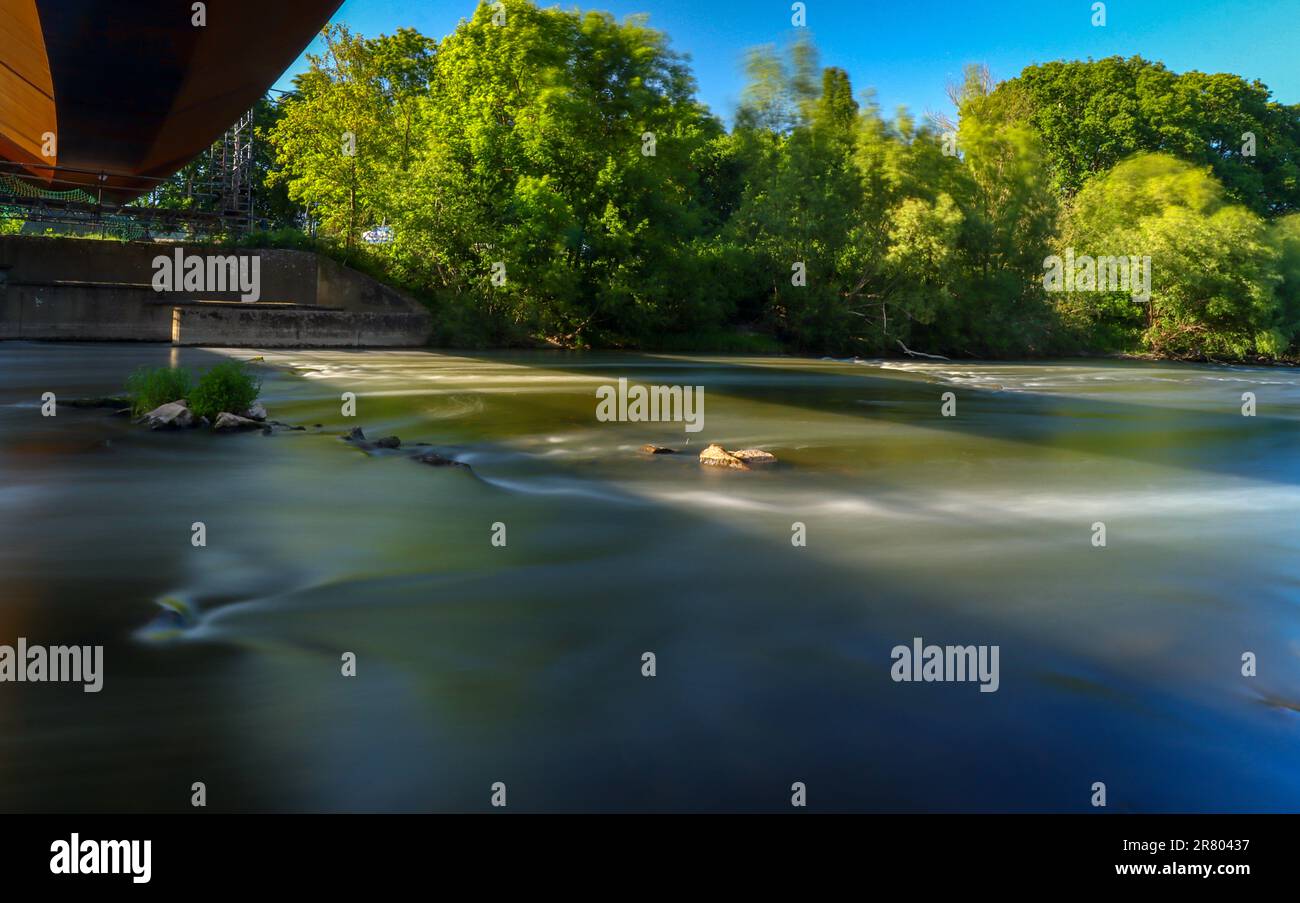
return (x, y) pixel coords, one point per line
(1091, 115)
(803, 195)
(565, 155)
(345, 135)
(1214, 267)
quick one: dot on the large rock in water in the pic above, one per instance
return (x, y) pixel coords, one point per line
(229, 423)
(717, 456)
(172, 416)
(256, 412)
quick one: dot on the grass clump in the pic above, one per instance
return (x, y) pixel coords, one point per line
(229, 386)
(150, 387)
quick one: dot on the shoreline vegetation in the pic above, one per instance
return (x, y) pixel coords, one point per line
(552, 181)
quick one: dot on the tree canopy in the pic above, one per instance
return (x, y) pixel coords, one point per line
(549, 175)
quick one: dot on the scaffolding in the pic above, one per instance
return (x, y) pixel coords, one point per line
(222, 203)
(230, 167)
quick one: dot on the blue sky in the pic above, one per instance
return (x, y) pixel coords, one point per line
(908, 50)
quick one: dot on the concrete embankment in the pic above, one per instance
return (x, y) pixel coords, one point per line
(85, 290)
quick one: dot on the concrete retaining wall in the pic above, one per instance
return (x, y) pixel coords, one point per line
(252, 326)
(86, 290)
(83, 314)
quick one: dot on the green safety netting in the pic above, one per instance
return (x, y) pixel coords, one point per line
(25, 189)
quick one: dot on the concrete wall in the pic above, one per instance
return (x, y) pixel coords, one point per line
(87, 290)
(83, 313)
(252, 326)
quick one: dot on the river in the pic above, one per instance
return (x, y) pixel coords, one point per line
(522, 663)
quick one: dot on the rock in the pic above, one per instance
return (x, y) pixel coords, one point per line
(657, 450)
(229, 423)
(717, 456)
(256, 412)
(433, 459)
(286, 426)
(358, 440)
(111, 401)
(174, 415)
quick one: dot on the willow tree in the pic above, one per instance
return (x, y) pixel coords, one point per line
(1215, 267)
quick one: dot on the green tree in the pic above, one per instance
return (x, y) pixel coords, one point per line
(344, 140)
(1091, 115)
(803, 195)
(564, 153)
(1214, 266)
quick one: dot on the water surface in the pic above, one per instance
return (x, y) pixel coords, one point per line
(522, 664)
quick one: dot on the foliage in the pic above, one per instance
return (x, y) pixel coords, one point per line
(227, 387)
(344, 138)
(1091, 115)
(151, 387)
(1215, 265)
(556, 181)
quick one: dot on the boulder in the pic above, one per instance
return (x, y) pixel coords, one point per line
(355, 436)
(256, 412)
(717, 456)
(657, 450)
(229, 423)
(172, 416)
(745, 459)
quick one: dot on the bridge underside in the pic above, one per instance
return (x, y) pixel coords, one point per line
(133, 91)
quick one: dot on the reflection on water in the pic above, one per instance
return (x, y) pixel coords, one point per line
(522, 664)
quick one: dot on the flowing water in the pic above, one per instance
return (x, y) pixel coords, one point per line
(523, 664)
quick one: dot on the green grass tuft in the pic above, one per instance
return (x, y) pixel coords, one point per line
(228, 386)
(150, 387)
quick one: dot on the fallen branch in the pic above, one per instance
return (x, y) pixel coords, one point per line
(910, 353)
